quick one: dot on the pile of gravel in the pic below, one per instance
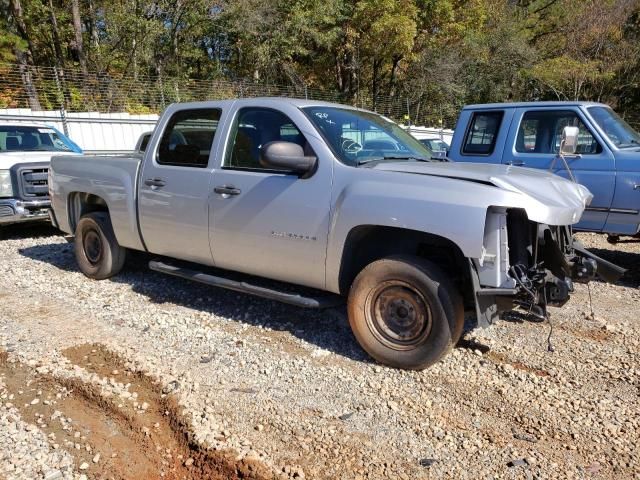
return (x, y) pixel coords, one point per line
(292, 389)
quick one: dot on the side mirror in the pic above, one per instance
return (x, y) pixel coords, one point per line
(569, 142)
(287, 156)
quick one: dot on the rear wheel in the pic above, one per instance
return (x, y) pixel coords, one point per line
(405, 312)
(98, 253)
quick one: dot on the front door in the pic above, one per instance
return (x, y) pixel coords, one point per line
(266, 222)
(175, 186)
(538, 133)
(624, 217)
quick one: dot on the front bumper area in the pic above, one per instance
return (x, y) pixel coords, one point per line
(531, 266)
(20, 211)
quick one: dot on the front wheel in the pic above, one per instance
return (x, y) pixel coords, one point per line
(405, 312)
(98, 253)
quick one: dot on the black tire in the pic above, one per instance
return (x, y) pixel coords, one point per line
(405, 312)
(98, 253)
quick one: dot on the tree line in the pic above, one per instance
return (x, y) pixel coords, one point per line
(436, 54)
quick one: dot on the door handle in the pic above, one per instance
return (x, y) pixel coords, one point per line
(227, 190)
(636, 186)
(154, 183)
(516, 163)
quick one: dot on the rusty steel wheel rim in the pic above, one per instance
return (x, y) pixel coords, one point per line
(398, 315)
(92, 246)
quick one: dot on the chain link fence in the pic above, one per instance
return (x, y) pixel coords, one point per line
(70, 90)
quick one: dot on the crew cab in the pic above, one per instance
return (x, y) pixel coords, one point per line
(607, 159)
(25, 152)
(330, 202)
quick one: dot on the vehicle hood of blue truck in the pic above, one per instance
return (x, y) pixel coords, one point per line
(546, 198)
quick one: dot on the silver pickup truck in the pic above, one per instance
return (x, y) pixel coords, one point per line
(338, 200)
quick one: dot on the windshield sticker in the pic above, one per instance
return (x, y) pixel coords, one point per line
(46, 130)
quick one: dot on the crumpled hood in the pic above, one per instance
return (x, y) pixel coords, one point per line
(9, 159)
(552, 191)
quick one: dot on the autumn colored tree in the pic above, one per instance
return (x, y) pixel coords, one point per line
(428, 56)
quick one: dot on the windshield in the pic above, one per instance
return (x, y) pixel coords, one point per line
(621, 134)
(360, 137)
(23, 139)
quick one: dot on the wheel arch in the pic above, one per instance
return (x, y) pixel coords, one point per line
(367, 243)
(81, 203)
(124, 218)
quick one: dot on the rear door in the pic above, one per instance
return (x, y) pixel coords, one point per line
(535, 141)
(174, 185)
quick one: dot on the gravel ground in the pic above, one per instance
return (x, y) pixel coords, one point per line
(261, 383)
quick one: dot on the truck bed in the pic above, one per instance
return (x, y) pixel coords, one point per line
(112, 178)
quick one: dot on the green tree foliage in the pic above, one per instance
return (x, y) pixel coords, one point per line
(435, 54)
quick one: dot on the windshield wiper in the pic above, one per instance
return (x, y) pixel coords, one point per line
(364, 161)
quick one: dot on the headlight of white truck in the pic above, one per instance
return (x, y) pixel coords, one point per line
(6, 189)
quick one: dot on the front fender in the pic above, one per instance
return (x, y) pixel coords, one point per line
(371, 204)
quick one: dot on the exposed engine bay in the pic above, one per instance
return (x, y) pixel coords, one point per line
(542, 263)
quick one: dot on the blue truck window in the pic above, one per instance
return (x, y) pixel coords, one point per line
(482, 133)
(541, 131)
(188, 137)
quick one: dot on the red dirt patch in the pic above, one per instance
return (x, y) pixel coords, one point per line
(502, 358)
(149, 443)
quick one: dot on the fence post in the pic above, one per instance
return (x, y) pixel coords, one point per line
(61, 99)
(408, 114)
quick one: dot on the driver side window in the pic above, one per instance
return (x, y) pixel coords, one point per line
(541, 132)
(254, 128)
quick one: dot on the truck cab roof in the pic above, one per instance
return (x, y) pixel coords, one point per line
(505, 105)
(298, 102)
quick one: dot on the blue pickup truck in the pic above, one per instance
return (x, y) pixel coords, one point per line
(607, 158)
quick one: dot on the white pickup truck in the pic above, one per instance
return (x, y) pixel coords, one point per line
(25, 152)
(337, 199)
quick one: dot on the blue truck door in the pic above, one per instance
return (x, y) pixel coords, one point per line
(624, 216)
(534, 140)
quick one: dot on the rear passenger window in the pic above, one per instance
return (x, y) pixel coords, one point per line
(188, 137)
(541, 132)
(482, 133)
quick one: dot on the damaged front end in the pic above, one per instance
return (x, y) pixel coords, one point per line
(530, 265)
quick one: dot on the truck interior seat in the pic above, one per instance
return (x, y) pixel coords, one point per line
(30, 141)
(520, 146)
(543, 140)
(13, 143)
(246, 149)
